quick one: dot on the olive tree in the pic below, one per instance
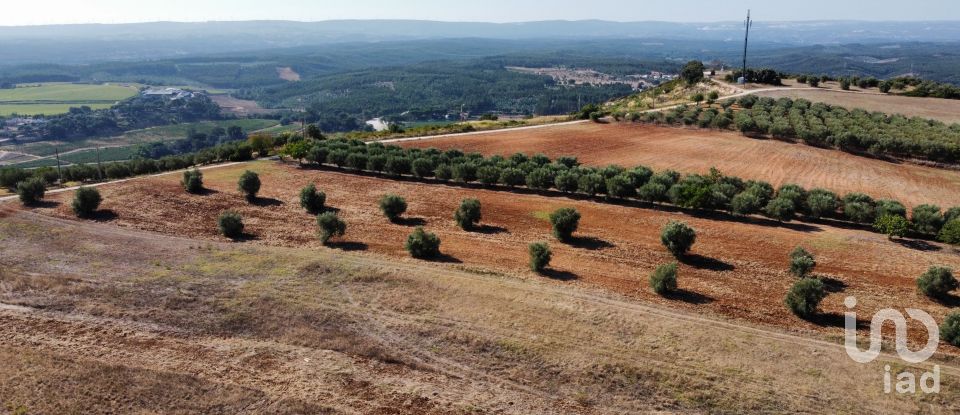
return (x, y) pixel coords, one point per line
(393, 206)
(230, 224)
(192, 181)
(539, 256)
(422, 244)
(937, 282)
(950, 328)
(805, 296)
(801, 262)
(892, 226)
(312, 200)
(564, 222)
(249, 184)
(468, 214)
(678, 237)
(927, 219)
(663, 281)
(31, 191)
(330, 225)
(86, 200)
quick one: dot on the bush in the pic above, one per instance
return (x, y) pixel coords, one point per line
(805, 296)
(443, 172)
(621, 186)
(892, 226)
(393, 206)
(312, 200)
(468, 214)
(249, 184)
(780, 209)
(950, 233)
(566, 182)
(926, 219)
(512, 177)
(652, 192)
(192, 181)
(591, 184)
(230, 224)
(330, 225)
(422, 244)
(890, 207)
(565, 222)
(692, 72)
(465, 172)
(860, 208)
(745, 203)
(488, 175)
(86, 200)
(540, 178)
(539, 256)
(950, 329)
(678, 237)
(801, 262)
(822, 203)
(422, 167)
(357, 161)
(937, 282)
(31, 191)
(664, 279)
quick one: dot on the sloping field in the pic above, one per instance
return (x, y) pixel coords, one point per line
(159, 324)
(694, 150)
(739, 269)
(946, 110)
(56, 98)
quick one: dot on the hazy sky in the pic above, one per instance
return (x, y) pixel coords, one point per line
(32, 12)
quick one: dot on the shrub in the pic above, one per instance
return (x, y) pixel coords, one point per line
(230, 224)
(950, 233)
(564, 222)
(822, 203)
(780, 209)
(566, 181)
(805, 296)
(892, 226)
(357, 161)
(192, 181)
(422, 167)
(801, 262)
(664, 279)
(468, 214)
(86, 200)
(937, 282)
(377, 163)
(951, 214)
(591, 184)
(488, 175)
(927, 219)
(330, 225)
(512, 177)
(249, 184)
(465, 172)
(890, 207)
(312, 200)
(397, 165)
(745, 203)
(677, 237)
(813, 81)
(540, 178)
(859, 208)
(31, 191)
(950, 329)
(422, 244)
(443, 172)
(338, 157)
(539, 256)
(652, 192)
(392, 206)
(621, 186)
(568, 161)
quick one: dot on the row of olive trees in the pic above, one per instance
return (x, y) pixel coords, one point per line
(713, 191)
(822, 125)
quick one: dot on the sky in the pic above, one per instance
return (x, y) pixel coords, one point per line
(35, 12)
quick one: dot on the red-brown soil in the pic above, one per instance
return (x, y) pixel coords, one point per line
(696, 150)
(737, 268)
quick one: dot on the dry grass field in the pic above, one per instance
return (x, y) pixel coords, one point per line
(697, 150)
(98, 317)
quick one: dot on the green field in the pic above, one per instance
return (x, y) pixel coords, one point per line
(57, 98)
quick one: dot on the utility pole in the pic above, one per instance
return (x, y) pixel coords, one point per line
(746, 37)
(59, 172)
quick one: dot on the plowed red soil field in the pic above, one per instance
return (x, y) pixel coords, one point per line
(695, 150)
(738, 268)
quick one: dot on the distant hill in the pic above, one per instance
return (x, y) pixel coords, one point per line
(139, 41)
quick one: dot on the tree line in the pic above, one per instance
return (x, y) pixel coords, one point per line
(712, 191)
(821, 125)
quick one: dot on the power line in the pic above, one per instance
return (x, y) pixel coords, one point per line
(746, 37)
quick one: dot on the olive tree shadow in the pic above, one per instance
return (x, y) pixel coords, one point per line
(832, 285)
(408, 221)
(104, 215)
(948, 300)
(688, 296)
(917, 244)
(555, 274)
(834, 320)
(489, 229)
(265, 202)
(704, 262)
(589, 242)
(443, 258)
(45, 204)
(348, 246)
